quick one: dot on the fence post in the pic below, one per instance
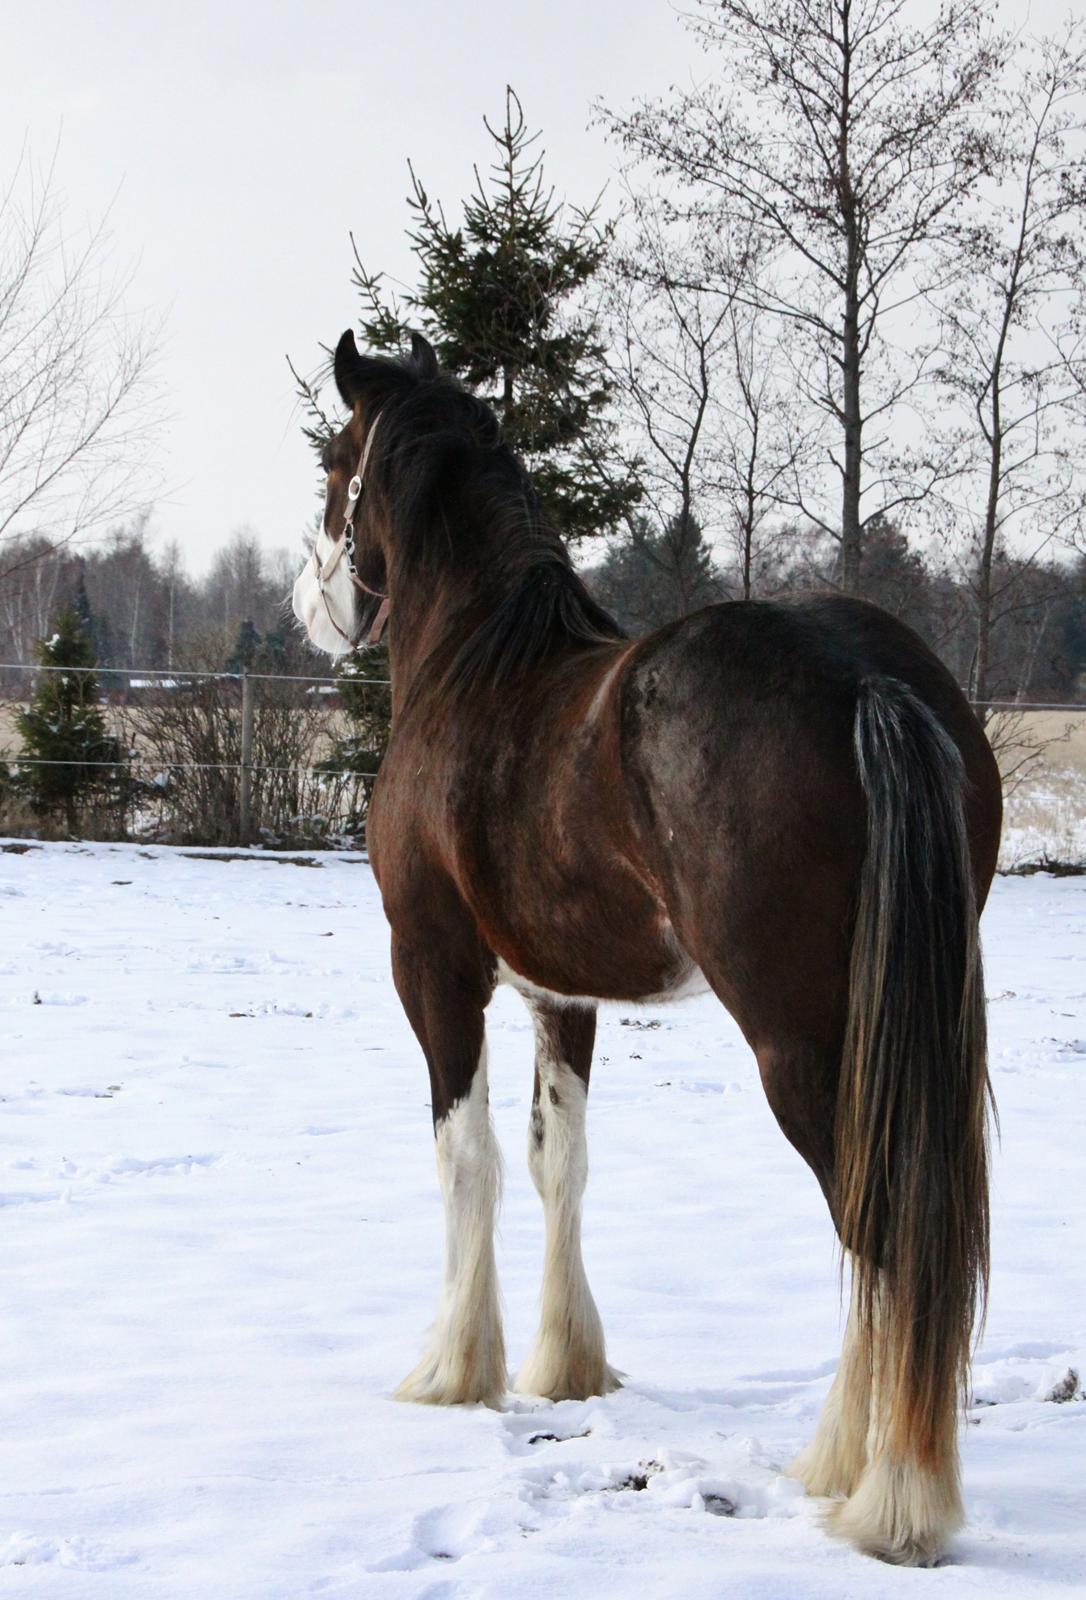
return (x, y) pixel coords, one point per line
(246, 771)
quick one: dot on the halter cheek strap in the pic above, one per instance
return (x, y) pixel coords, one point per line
(345, 546)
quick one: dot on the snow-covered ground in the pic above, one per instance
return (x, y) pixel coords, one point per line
(221, 1239)
(1045, 820)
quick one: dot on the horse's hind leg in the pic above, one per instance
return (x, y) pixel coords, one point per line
(444, 999)
(907, 1499)
(568, 1360)
(897, 1495)
(800, 1085)
(835, 1458)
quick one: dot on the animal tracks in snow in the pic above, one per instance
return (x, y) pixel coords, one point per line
(672, 1480)
(524, 1431)
(657, 1455)
(447, 1533)
(75, 1554)
(71, 1180)
(577, 1460)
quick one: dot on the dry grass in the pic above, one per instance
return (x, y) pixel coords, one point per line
(1045, 817)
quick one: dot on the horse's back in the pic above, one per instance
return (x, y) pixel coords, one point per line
(738, 751)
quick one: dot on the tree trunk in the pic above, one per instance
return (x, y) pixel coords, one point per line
(749, 511)
(851, 414)
(982, 659)
(851, 530)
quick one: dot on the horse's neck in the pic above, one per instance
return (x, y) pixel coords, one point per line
(435, 610)
(429, 615)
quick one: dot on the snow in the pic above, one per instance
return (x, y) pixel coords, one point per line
(222, 1247)
(1046, 821)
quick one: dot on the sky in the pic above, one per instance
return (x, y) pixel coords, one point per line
(237, 145)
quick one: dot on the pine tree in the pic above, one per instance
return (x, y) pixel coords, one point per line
(64, 730)
(501, 299)
(367, 700)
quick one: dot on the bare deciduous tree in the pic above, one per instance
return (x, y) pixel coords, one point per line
(668, 344)
(237, 587)
(75, 375)
(1012, 340)
(30, 591)
(705, 395)
(848, 140)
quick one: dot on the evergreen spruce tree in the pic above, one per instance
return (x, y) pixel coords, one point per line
(246, 645)
(273, 653)
(499, 297)
(82, 606)
(64, 729)
(656, 575)
(367, 700)
(95, 625)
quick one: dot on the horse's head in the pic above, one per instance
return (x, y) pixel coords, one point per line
(341, 594)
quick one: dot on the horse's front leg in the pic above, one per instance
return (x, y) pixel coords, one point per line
(444, 991)
(568, 1360)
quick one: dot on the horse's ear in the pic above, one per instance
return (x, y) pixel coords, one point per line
(423, 358)
(349, 369)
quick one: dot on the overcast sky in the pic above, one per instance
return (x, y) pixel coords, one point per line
(244, 141)
(239, 143)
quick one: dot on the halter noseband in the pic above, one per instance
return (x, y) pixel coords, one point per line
(345, 544)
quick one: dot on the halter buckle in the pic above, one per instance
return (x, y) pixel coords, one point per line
(354, 488)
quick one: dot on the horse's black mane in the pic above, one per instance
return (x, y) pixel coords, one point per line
(448, 477)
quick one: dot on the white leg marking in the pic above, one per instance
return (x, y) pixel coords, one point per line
(465, 1355)
(899, 1509)
(568, 1360)
(833, 1461)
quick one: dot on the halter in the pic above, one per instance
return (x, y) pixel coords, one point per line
(345, 544)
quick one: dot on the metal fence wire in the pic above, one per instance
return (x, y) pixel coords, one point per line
(147, 696)
(147, 701)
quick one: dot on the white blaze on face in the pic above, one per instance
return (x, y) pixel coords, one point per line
(309, 606)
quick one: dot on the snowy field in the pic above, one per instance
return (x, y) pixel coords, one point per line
(221, 1247)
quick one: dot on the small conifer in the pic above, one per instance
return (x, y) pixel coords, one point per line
(68, 758)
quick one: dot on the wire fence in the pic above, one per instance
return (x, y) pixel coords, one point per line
(225, 757)
(197, 756)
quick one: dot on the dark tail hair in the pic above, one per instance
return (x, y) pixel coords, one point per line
(912, 1109)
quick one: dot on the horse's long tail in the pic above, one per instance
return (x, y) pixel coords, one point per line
(911, 1134)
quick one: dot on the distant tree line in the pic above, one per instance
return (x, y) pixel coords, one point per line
(139, 607)
(1038, 646)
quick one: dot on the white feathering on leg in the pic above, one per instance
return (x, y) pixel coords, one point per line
(568, 1360)
(465, 1355)
(897, 1509)
(833, 1461)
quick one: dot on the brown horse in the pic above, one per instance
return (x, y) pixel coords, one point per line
(791, 804)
